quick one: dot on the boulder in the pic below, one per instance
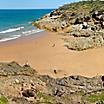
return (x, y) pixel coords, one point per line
(28, 93)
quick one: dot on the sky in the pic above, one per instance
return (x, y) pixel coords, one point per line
(32, 4)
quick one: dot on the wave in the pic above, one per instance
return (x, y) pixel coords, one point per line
(29, 22)
(11, 38)
(32, 32)
(11, 30)
(22, 33)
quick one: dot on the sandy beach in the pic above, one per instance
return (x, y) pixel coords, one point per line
(45, 52)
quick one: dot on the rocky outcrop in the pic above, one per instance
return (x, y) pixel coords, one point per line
(74, 89)
(82, 20)
(30, 88)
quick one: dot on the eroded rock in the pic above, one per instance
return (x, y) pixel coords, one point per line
(85, 21)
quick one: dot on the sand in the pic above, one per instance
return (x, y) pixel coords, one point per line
(45, 52)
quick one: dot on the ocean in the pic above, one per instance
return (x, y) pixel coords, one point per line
(17, 23)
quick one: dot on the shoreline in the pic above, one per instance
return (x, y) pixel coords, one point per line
(20, 36)
(45, 52)
(33, 35)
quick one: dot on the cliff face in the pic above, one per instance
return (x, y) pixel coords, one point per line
(23, 85)
(83, 21)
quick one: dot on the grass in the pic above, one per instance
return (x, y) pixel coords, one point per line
(96, 97)
(86, 4)
(3, 100)
(48, 99)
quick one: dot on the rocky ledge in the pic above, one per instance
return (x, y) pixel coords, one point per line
(82, 21)
(23, 85)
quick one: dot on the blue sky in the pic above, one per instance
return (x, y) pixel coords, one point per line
(32, 4)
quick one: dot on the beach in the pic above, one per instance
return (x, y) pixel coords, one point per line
(45, 52)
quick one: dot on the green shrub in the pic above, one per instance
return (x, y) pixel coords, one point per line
(96, 97)
(3, 100)
(48, 99)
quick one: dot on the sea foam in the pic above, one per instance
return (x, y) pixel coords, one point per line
(11, 30)
(11, 38)
(26, 33)
(32, 32)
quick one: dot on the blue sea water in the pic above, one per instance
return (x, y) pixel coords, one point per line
(17, 23)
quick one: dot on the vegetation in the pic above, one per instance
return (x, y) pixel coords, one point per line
(47, 99)
(96, 97)
(3, 100)
(90, 4)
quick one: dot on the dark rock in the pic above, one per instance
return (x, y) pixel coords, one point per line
(102, 78)
(87, 18)
(94, 28)
(28, 93)
(58, 93)
(54, 29)
(73, 14)
(26, 65)
(84, 25)
(74, 77)
(78, 21)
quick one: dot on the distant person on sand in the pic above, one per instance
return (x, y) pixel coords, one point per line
(55, 71)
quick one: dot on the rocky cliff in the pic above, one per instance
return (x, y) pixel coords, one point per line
(82, 21)
(23, 85)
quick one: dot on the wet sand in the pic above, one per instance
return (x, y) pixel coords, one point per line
(45, 52)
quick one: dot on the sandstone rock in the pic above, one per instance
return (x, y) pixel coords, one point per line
(87, 17)
(17, 81)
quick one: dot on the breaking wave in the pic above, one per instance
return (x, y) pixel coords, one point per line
(11, 30)
(11, 38)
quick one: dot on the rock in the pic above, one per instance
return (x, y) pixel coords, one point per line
(72, 89)
(102, 78)
(74, 77)
(78, 21)
(84, 25)
(17, 81)
(93, 28)
(94, 15)
(28, 93)
(58, 92)
(102, 25)
(26, 64)
(87, 17)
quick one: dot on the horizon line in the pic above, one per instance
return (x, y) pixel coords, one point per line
(24, 8)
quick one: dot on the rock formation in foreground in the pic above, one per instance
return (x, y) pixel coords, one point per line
(23, 85)
(82, 22)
